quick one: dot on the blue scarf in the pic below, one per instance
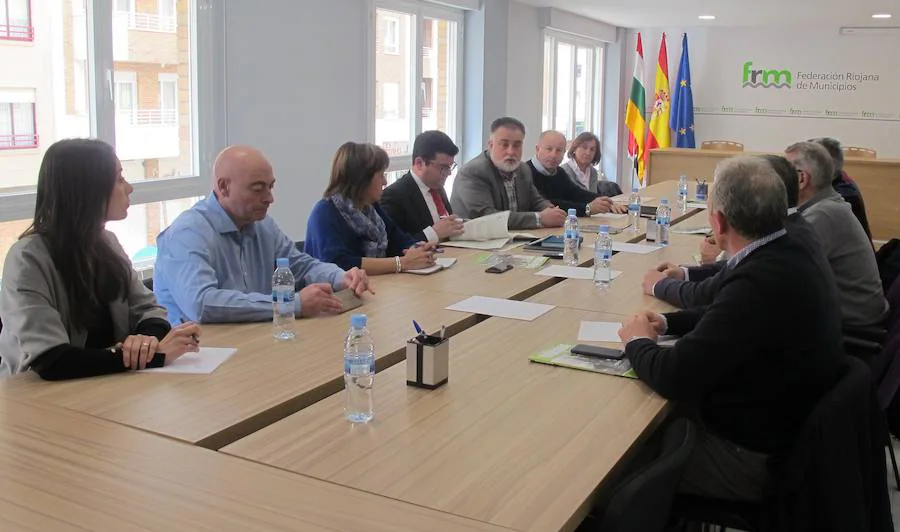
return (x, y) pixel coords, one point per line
(366, 223)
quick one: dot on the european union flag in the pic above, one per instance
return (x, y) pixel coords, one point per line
(682, 120)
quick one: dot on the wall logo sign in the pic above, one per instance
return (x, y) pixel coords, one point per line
(766, 78)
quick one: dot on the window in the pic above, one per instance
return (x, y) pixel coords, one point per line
(149, 110)
(17, 119)
(417, 88)
(391, 35)
(573, 85)
(390, 100)
(15, 20)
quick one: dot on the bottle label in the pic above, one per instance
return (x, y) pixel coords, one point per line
(604, 254)
(359, 368)
(282, 296)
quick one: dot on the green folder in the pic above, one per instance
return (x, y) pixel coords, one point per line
(560, 355)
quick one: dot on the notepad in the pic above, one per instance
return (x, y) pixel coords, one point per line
(696, 205)
(625, 198)
(502, 308)
(640, 249)
(497, 243)
(561, 355)
(439, 265)
(572, 272)
(599, 331)
(610, 215)
(203, 362)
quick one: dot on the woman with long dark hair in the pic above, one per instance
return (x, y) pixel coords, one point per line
(70, 303)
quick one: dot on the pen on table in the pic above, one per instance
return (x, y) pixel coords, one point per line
(194, 336)
(419, 330)
(422, 244)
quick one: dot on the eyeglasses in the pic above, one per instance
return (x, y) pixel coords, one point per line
(445, 168)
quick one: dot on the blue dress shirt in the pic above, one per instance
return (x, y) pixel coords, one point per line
(209, 271)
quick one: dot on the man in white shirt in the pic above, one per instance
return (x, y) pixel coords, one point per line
(417, 202)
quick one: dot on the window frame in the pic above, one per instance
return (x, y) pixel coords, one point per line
(548, 94)
(420, 10)
(207, 65)
(35, 142)
(6, 33)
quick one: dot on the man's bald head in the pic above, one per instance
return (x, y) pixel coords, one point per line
(550, 149)
(243, 180)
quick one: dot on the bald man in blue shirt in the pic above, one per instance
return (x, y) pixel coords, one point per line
(216, 260)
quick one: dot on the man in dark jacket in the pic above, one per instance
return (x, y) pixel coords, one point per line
(757, 360)
(555, 185)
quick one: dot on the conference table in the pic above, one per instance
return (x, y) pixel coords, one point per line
(506, 442)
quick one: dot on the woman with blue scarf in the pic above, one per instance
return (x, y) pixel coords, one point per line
(349, 228)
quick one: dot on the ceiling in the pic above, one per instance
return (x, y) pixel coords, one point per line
(681, 13)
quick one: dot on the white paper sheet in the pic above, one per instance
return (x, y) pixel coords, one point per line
(611, 215)
(490, 227)
(497, 243)
(623, 199)
(439, 265)
(572, 272)
(690, 230)
(202, 363)
(599, 331)
(639, 249)
(502, 308)
(696, 205)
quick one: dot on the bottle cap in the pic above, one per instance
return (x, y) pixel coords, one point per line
(573, 212)
(358, 321)
(282, 262)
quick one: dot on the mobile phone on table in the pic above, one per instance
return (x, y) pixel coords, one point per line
(348, 299)
(598, 352)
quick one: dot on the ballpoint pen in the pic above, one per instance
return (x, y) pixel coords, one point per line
(419, 330)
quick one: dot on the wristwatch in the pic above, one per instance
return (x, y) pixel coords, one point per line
(587, 209)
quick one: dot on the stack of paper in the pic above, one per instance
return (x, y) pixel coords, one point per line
(487, 232)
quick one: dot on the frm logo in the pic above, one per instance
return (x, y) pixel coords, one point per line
(766, 78)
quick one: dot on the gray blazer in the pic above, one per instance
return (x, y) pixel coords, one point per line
(478, 191)
(595, 184)
(851, 257)
(34, 307)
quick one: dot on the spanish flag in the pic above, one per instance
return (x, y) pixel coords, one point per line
(658, 137)
(634, 115)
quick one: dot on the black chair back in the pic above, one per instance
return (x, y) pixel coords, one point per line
(643, 500)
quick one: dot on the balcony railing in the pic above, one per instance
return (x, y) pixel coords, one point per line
(149, 21)
(18, 141)
(148, 117)
(12, 32)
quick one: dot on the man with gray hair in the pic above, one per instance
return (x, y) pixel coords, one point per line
(757, 360)
(843, 240)
(843, 184)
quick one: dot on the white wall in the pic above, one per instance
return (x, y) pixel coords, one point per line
(297, 89)
(524, 96)
(760, 117)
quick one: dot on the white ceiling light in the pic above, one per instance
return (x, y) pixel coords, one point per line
(881, 15)
(707, 17)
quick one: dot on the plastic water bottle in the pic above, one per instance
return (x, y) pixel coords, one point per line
(663, 219)
(359, 371)
(570, 239)
(283, 301)
(682, 192)
(634, 211)
(603, 258)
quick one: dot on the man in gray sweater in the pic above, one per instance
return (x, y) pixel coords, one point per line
(843, 239)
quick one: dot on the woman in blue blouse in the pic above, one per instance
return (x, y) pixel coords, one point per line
(349, 228)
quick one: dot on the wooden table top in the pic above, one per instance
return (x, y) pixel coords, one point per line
(67, 471)
(506, 441)
(264, 381)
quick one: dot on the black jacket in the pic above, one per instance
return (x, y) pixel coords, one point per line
(760, 356)
(561, 191)
(705, 280)
(404, 203)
